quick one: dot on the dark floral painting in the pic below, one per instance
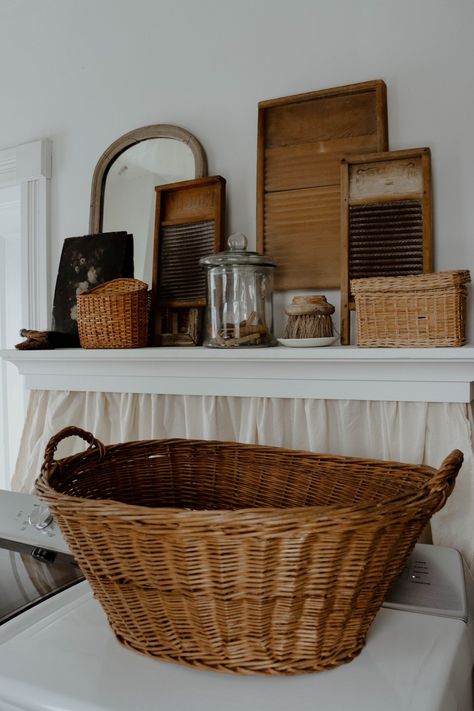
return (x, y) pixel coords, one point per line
(86, 262)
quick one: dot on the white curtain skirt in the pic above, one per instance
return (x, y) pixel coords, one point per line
(419, 433)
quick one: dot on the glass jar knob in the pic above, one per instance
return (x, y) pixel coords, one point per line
(237, 242)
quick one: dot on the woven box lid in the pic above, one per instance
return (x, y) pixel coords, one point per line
(414, 282)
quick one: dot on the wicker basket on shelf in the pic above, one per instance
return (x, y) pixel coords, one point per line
(235, 557)
(422, 310)
(114, 315)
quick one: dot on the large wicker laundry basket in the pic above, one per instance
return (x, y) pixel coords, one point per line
(237, 557)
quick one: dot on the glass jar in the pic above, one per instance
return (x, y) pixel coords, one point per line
(239, 301)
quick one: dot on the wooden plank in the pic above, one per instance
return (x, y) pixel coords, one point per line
(187, 204)
(375, 199)
(427, 208)
(345, 316)
(301, 140)
(307, 165)
(293, 221)
(346, 90)
(322, 119)
(260, 223)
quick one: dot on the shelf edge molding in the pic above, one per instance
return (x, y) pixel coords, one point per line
(334, 373)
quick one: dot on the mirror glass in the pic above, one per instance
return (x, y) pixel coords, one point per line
(129, 195)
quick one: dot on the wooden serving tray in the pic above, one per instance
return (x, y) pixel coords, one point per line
(386, 219)
(301, 140)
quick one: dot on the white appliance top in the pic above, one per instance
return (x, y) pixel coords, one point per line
(70, 660)
(62, 655)
(432, 582)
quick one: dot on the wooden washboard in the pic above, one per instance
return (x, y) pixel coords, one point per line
(301, 140)
(386, 219)
(189, 224)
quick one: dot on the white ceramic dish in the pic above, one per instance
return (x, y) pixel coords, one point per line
(307, 342)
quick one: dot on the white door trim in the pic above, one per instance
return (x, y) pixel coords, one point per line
(29, 165)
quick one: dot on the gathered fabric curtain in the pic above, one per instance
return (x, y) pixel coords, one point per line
(419, 433)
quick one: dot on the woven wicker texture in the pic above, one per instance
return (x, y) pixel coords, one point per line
(423, 310)
(235, 557)
(114, 315)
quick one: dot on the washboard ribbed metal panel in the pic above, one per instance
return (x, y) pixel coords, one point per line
(181, 247)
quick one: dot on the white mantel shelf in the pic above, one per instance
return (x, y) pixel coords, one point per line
(347, 373)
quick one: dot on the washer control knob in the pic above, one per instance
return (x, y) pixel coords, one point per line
(41, 517)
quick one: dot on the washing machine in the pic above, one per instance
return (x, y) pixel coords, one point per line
(57, 652)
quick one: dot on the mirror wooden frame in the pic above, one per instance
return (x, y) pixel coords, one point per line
(122, 144)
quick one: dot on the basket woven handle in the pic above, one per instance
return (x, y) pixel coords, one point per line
(53, 443)
(443, 480)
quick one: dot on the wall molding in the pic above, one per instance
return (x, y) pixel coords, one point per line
(29, 166)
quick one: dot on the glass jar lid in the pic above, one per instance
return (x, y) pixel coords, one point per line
(237, 254)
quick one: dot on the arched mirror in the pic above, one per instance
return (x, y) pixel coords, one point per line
(123, 195)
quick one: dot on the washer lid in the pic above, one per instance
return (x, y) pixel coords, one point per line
(29, 575)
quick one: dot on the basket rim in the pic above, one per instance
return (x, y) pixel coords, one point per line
(283, 520)
(313, 517)
(107, 285)
(416, 282)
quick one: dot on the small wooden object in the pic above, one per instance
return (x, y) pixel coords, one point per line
(43, 340)
(309, 317)
(246, 333)
(181, 327)
(301, 140)
(421, 311)
(189, 222)
(386, 219)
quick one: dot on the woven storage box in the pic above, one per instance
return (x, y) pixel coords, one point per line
(237, 557)
(114, 315)
(423, 310)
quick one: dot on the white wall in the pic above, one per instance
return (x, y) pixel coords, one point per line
(83, 73)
